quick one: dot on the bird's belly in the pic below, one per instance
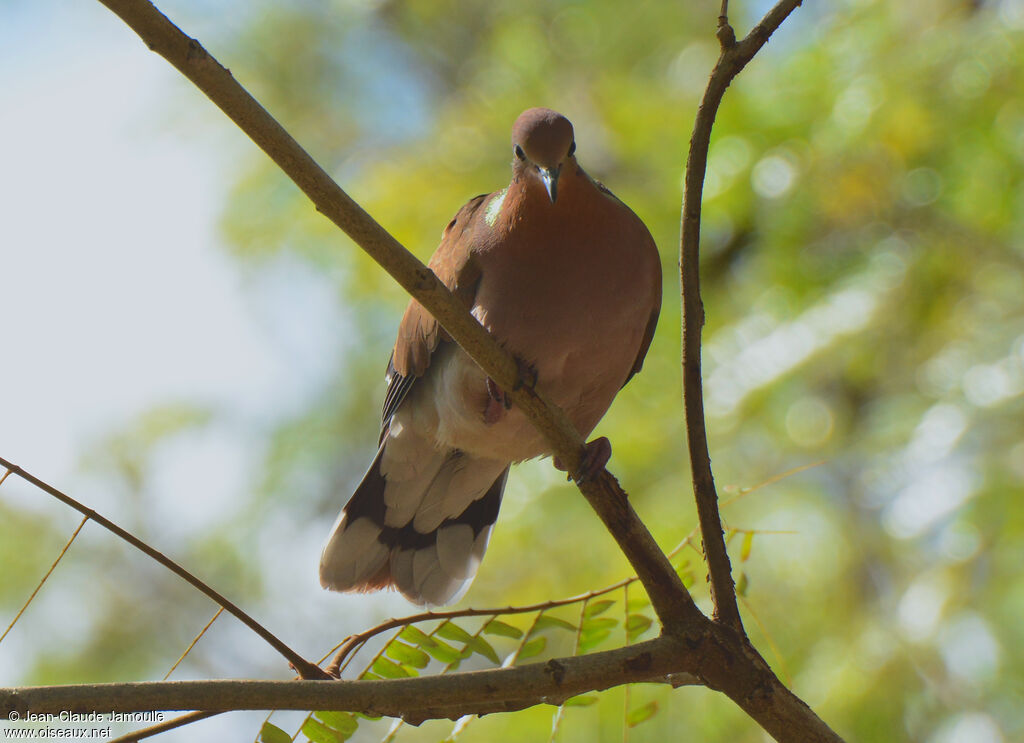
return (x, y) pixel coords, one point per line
(579, 375)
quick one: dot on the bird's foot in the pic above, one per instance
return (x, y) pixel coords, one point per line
(498, 400)
(595, 456)
(527, 376)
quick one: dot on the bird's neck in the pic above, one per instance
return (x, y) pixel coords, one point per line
(526, 197)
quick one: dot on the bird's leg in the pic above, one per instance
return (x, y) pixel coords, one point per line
(527, 376)
(596, 454)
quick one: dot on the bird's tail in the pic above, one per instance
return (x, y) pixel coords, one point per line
(423, 532)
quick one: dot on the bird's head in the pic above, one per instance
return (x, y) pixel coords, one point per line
(542, 144)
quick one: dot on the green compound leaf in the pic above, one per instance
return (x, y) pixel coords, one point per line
(544, 622)
(317, 732)
(636, 625)
(415, 636)
(407, 655)
(591, 640)
(748, 544)
(497, 627)
(342, 722)
(638, 603)
(443, 652)
(600, 624)
(480, 646)
(533, 647)
(641, 714)
(742, 585)
(271, 733)
(597, 607)
(451, 631)
(582, 700)
(390, 670)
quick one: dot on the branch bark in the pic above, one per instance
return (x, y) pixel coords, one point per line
(717, 657)
(733, 58)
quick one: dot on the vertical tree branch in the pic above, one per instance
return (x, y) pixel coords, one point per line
(733, 58)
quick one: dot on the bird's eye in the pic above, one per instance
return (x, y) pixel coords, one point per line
(572, 148)
(519, 152)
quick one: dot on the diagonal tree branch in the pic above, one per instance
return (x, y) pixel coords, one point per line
(733, 58)
(306, 669)
(671, 601)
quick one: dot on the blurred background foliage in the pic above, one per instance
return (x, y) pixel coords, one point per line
(863, 266)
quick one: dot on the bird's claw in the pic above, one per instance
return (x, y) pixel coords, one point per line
(595, 456)
(498, 400)
(527, 376)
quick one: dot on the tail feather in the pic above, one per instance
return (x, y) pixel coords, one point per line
(432, 556)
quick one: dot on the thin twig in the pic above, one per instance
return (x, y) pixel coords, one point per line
(163, 727)
(67, 545)
(744, 492)
(345, 648)
(197, 638)
(426, 616)
(734, 57)
(181, 720)
(306, 669)
(674, 607)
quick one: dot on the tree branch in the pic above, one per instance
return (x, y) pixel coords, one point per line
(671, 601)
(734, 57)
(304, 667)
(717, 658)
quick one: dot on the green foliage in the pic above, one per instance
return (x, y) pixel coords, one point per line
(641, 714)
(270, 733)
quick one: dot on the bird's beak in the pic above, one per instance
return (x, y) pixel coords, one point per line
(550, 178)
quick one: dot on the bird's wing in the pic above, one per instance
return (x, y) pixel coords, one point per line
(419, 334)
(652, 323)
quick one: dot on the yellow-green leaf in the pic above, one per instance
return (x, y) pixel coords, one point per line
(480, 646)
(742, 585)
(416, 636)
(603, 623)
(592, 639)
(545, 621)
(533, 647)
(451, 631)
(638, 603)
(343, 722)
(390, 670)
(597, 607)
(317, 732)
(748, 544)
(641, 714)
(636, 625)
(497, 627)
(581, 700)
(271, 733)
(442, 651)
(407, 654)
